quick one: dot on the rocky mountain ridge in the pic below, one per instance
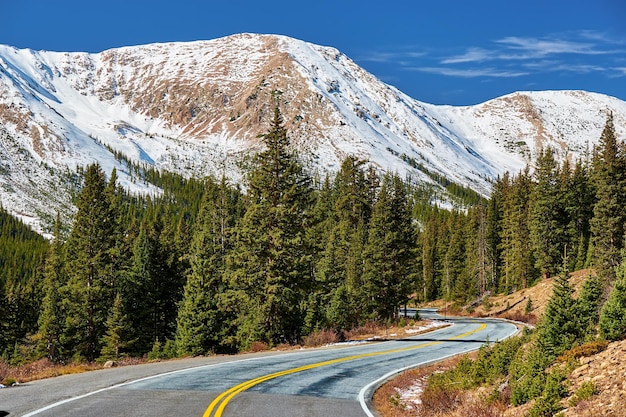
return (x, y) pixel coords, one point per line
(198, 108)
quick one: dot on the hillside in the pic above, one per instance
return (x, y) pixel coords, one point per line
(606, 369)
(197, 108)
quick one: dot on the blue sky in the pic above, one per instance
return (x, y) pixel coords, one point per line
(441, 52)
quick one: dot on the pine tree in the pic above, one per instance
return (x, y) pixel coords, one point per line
(493, 233)
(203, 324)
(389, 251)
(613, 313)
(579, 199)
(589, 303)
(560, 327)
(609, 216)
(89, 292)
(547, 230)
(271, 262)
(139, 289)
(353, 207)
(515, 242)
(457, 285)
(117, 336)
(51, 316)
(477, 268)
(428, 241)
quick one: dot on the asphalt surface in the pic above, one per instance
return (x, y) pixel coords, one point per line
(334, 381)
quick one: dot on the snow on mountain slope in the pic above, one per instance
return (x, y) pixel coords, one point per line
(198, 108)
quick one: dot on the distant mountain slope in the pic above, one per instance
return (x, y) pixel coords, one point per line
(199, 107)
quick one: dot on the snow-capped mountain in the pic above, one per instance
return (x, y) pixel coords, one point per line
(198, 108)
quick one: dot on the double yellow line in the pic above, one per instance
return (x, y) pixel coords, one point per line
(216, 408)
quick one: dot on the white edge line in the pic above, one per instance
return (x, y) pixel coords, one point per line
(88, 394)
(368, 390)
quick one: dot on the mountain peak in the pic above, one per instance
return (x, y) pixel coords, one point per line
(198, 108)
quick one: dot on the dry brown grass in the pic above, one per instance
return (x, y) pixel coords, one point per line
(40, 369)
(321, 338)
(44, 368)
(514, 305)
(387, 400)
(369, 329)
(258, 347)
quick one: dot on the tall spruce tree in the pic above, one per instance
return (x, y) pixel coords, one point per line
(578, 195)
(389, 250)
(547, 230)
(51, 316)
(271, 262)
(140, 288)
(609, 216)
(429, 282)
(457, 285)
(353, 206)
(517, 257)
(204, 325)
(493, 233)
(477, 268)
(90, 289)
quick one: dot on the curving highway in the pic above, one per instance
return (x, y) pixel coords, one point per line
(334, 381)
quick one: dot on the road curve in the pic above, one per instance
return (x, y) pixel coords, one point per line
(336, 381)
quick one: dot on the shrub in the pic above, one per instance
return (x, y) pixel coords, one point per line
(321, 338)
(527, 374)
(369, 328)
(258, 346)
(156, 352)
(517, 316)
(437, 400)
(613, 314)
(529, 306)
(169, 349)
(588, 349)
(544, 407)
(493, 362)
(586, 391)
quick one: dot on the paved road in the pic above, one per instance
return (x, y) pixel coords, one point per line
(334, 381)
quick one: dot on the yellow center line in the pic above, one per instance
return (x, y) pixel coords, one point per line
(224, 398)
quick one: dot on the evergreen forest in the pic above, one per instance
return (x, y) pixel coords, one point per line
(208, 266)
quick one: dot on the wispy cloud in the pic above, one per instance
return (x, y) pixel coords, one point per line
(471, 73)
(558, 66)
(514, 48)
(400, 57)
(619, 72)
(582, 52)
(536, 47)
(472, 55)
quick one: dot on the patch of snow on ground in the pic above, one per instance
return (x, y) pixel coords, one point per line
(430, 325)
(411, 396)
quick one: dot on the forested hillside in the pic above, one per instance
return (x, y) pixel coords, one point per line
(208, 266)
(21, 255)
(549, 223)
